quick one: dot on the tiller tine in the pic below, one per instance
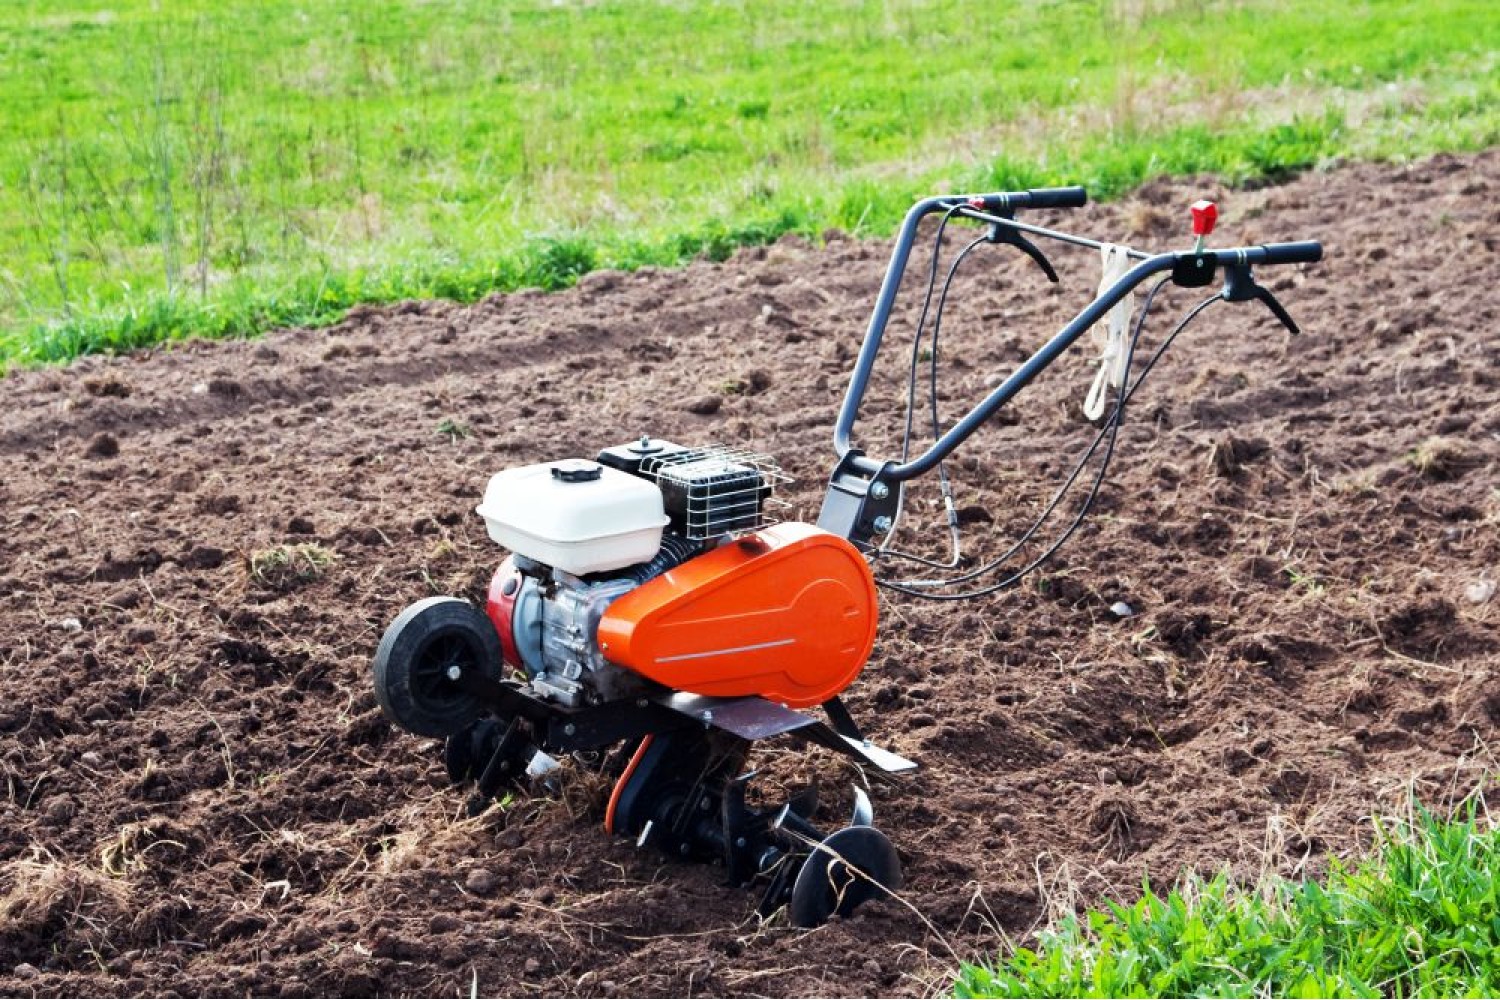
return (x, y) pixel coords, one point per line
(684, 794)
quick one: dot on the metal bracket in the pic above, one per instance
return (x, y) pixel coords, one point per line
(861, 501)
(843, 722)
(749, 718)
(1193, 270)
(753, 718)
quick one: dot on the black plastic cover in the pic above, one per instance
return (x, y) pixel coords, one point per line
(629, 456)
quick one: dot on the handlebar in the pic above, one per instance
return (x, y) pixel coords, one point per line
(1304, 252)
(864, 492)
(1004, 201)
(1307, 251)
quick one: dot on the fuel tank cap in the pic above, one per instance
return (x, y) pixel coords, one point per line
(577, 470)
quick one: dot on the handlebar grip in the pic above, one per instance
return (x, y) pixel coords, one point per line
(1063, 197)
(1007, 201)
(1304, 252)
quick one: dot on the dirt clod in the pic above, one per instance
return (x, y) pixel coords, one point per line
(102, 445)
(204, 557)
(1231, 454)
(110, 387)
(481, 881)
(1423, 627)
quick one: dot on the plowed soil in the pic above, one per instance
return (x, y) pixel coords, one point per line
(202, 546)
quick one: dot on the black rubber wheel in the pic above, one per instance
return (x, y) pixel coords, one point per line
(827, 884)
(413, 658)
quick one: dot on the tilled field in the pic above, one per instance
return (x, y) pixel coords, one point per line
(201, 796)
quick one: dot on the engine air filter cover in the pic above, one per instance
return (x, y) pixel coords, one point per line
(715, 491)
(712, 495)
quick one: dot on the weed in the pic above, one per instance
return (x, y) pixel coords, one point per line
(43, 896)
(1308, 583)
(456, 430)
(129, 852)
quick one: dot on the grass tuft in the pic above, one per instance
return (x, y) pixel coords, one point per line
(1419, 917)
(1443, 459)
(283, 567)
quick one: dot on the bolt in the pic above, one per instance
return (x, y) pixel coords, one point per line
(455, 672)
(881, 524)
(879, 490)
(739, 841)
(570, 729)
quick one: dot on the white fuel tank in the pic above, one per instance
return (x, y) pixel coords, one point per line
(576, 515)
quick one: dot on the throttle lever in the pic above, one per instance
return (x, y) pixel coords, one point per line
(1003, 234)
(1240, 286)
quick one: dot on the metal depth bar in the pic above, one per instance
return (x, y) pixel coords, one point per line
(1052, 234)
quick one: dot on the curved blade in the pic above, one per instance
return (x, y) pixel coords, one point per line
(864, 810)
(805, 802)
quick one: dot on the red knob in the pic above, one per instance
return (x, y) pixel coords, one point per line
(1205, 214)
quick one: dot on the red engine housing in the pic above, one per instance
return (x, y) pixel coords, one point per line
(500, 605)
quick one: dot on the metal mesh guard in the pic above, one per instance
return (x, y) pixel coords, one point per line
(720, 490)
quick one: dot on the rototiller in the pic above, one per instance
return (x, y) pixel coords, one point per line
(653, 602)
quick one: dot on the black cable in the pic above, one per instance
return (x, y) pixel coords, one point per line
(1062, 490)
(916, 346)
(1112, 428)
(944, 484)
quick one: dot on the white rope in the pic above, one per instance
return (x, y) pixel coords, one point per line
(1109, 333)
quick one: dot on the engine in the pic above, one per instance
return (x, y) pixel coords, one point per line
(584, 533)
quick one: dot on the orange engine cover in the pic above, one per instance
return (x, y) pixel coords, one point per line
(787, 613)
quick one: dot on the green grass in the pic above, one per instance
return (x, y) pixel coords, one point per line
(218, 168)
(1419, 917)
